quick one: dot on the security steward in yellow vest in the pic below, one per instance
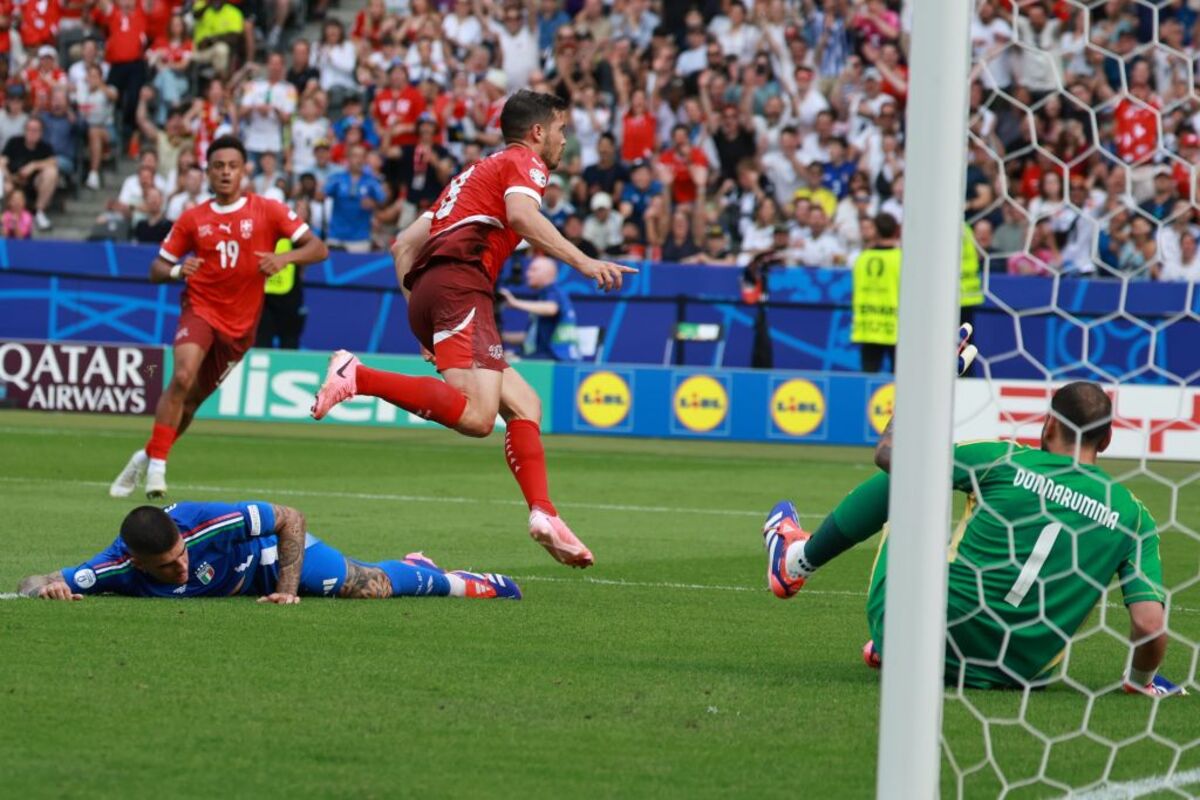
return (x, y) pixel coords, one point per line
(283, 313)
(876, 297)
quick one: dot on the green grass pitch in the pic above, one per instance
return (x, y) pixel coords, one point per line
(666, 670)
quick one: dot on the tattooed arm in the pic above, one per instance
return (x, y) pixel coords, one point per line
(883, 449)
(365, 583)
(290, 528)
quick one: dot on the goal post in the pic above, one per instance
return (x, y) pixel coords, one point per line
(919, 508)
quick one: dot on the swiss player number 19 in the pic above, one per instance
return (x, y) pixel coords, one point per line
(229, 250)
(452, 194)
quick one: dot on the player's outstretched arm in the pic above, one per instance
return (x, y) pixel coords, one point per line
(290, 528)
(408, 244)
(527, 220)
(48, 587)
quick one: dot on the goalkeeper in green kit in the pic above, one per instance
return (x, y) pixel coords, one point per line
(1044, 532)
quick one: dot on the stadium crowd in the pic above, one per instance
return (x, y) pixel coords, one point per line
(712, 132)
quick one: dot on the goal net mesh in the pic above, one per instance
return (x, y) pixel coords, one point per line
(1081, 174)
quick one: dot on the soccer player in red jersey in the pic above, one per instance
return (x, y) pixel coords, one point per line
(232, 240)
(448, 261)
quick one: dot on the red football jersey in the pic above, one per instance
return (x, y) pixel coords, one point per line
(39, 22)
(227, 290)
(470, 219)
(392, 107)
(1136, 129)
(127, 34)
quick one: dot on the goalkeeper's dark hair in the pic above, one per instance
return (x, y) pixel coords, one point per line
(525, 109)
(148, 531)
(1085, 412)
(226, 142)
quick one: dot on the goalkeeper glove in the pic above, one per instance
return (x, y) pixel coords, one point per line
(1157, 687)
(967, 352)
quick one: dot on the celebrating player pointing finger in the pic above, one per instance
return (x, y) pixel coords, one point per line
(448, 261)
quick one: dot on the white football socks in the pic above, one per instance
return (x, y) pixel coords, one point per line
(795, 563)
(158, 465)
(458, 587)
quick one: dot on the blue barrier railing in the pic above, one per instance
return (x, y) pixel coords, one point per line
(1030, 327)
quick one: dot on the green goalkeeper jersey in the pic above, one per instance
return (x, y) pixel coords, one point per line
(1041, 540)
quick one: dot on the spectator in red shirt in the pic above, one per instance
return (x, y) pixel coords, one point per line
(688, 166)
(41, 78)
(39, 22)
(639, 128)
(372, 25)
(126, 39)
(6, 16)
(170, 58)
(396, 110)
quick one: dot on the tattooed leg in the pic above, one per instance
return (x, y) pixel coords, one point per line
(365, 582)
(392, 579)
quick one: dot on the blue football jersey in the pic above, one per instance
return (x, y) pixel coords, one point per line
(227, 545)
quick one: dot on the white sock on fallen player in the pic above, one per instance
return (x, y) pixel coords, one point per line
(795, 563)
(458, 587)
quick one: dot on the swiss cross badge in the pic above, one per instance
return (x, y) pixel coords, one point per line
(247, 228)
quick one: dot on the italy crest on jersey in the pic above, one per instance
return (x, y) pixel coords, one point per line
(205, 573)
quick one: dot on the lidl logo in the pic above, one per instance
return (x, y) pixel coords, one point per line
(701, 403)
(798, 407)
(881, 406)
(603, 399)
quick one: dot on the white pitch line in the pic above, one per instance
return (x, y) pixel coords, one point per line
(1141, 788)
(672, 585)
(413, 498)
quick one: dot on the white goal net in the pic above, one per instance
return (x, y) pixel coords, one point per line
(1081, 195)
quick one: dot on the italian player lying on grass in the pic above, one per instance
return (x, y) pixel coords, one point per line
(1044, 532)
(247, 548)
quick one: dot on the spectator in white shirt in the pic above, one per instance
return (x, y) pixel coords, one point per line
(894, 205)
(307, 129)
(589, 119)
(462, 28)
(823, 248)
(1180, 263)
(990, 36)
(808, 100)
(77, 73)
(785, 166)
(1039, 31)
(740, 39)
(518, 42)
(603, 226)
(336, 60)
(695, 57)
(268, 104)
(192, 194)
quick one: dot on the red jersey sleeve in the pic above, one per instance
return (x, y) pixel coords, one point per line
(181, 240)
(524, 173)
(285, 221)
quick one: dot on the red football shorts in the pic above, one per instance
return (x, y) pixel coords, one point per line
(222, 352)
(451, 313)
